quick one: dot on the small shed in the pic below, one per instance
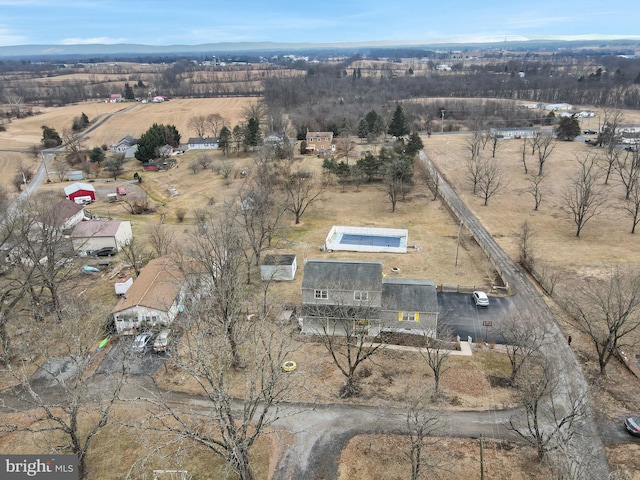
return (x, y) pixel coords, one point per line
(122, 285)
(75, 175)
(278, 267)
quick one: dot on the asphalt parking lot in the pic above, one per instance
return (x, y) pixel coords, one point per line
(459, 312)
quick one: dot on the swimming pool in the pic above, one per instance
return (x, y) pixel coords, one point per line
(365, 239)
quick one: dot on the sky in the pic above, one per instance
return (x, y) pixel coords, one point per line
(194, 22)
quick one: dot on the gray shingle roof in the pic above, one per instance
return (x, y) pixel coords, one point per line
(406, 294)
(346, 274)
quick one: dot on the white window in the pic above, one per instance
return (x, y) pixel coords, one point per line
(321, 294)
(361, 296)
(409, 317)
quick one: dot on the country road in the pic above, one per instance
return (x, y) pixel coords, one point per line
(528, 301)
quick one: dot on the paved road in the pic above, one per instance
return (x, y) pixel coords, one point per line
(527, 300)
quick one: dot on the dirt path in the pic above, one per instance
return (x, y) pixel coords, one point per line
(587, 446)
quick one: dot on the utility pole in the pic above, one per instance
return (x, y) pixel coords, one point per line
(442, 124)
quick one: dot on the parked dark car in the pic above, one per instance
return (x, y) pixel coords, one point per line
(106, 252)
(589, 132)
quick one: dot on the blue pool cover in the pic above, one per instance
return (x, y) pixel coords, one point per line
(373, 240)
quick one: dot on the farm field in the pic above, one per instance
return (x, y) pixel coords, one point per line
(26, 132)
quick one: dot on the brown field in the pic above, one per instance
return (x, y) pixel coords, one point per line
(26, 132)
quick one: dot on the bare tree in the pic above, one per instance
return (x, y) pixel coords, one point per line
(628, 168)
(344, 329)
(198, 123)
(115, 165)
(161, 240)
(216, 253)
(302, 190)
(43, 250)
(214, 123)
(225, 426)
(491, 180)
(135, 255)
(75, 146)
(523, 337)
(544, 145)
(609, 161)
(345, 147)
(423, 425)
(256, 110)
(398, 179)
(632, 205)
(523, 155)
(261, 206)
(15, 102)
(475, 168)
(607, 311)
(494, 141)
(583, 198)
(204, 160)
(65, 403)
(435, 353)
(555, 409)
(526, 257)
(535, 189)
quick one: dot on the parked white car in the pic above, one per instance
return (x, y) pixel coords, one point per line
(480, 299)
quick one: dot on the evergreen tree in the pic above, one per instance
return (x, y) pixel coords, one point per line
(97, 155)
(154, 138)
(50, 137)
(398, 125)
(252, 133)
(414, 145)
(363, 129)
(224, 140)
(568, 128)
(128, 92)
(369, 165)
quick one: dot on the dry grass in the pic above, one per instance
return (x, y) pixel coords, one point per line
(121, 448)
(377, 457)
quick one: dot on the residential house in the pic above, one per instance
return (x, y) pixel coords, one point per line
(97, 234)
(339, 295)
(123, 145)
(350, 294)
(154, 298)
(519, 132)
(197, 143)
(278, 267)
(320, 142)
(69, 214)
(76, 190)
(160, 98)
(409, 306)
(115, 98)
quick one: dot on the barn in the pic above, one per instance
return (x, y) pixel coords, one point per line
(80, 190)
(97, 234)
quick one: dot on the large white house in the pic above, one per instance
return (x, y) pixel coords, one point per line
(154, 298)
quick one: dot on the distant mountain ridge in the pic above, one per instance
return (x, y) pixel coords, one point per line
(43, 51)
